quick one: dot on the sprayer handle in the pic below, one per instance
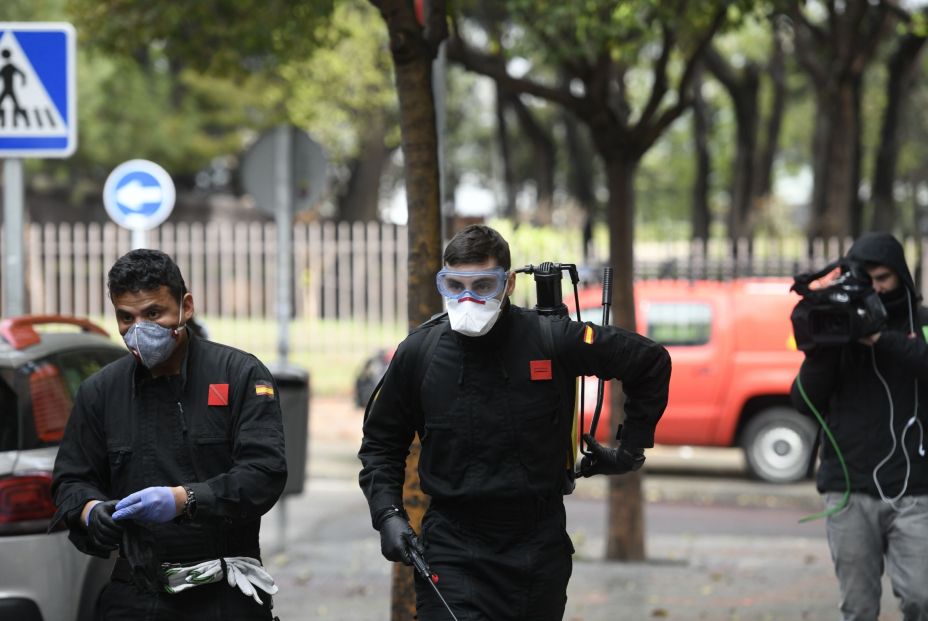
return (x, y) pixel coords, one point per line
(607, 285)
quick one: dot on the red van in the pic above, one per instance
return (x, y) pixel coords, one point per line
(734, 360)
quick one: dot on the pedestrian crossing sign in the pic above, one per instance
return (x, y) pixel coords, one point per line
(38, 107)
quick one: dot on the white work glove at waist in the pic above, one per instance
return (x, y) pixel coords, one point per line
(242, 572)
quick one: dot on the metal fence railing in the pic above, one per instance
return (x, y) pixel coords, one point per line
(353, 275)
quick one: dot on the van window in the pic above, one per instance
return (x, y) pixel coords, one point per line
(679, 323)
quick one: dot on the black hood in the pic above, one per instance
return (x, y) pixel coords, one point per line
(884, 249)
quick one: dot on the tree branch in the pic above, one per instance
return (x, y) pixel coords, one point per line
(809, 38)
(489, 66)
(721, 69)
(684, 96)
(861, 54)
(659, 87)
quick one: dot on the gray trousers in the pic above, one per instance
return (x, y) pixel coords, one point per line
(868, 535)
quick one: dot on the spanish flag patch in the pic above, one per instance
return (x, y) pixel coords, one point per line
(264, 389)
(588, 335)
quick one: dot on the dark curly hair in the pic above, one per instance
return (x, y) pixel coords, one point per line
(145, 270)
(475, 244)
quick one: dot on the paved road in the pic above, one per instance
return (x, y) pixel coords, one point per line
(719, 546)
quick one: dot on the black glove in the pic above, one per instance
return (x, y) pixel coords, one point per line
(606, 460)
(104, 531)
(396, 535)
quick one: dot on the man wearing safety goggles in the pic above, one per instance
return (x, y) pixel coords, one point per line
(484, 391)
(474, 297)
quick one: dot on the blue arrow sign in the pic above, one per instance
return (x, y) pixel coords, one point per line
(138, 195)
(38, 98)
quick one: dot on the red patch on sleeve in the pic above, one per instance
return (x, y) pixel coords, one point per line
(218, 394)
(540, 369)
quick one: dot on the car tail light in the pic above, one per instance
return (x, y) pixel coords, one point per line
(25, 503)
(51, 402)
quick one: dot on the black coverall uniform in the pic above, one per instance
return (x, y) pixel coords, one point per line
(496, 441)
(129, 431)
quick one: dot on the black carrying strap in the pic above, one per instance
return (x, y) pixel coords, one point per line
(430, 345)
(438, 323)
(566, 386)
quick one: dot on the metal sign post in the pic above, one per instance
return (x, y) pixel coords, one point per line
(38, 118)
(283, 210)
(285, 172)
(13, 281)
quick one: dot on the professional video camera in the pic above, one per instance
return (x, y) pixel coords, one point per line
(838, 306)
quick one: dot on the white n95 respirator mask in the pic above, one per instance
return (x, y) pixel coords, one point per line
(473, 317)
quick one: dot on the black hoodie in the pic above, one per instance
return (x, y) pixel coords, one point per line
(846, 385)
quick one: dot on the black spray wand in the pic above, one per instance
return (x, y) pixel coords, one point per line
(422, 568)
(607, 302)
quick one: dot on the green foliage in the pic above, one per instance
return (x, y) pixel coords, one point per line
(138, 92)
(181, 121)
(471, 130)
(663, 186)
(33, 10)
(226, 36)
(347, 83)
(919, 24)
(566, 31)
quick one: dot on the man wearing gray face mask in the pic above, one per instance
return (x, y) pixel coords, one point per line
(171, 456)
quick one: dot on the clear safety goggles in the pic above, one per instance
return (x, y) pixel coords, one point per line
(479, 286)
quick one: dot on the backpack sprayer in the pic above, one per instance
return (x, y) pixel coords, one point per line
(548, 278)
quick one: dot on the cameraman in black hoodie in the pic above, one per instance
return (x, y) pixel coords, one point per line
(869, 393)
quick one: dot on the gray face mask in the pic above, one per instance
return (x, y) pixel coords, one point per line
(151, 343)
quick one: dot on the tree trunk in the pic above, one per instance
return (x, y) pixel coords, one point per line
(836, 158)
(746, 115)
(701, 129)
(901, 67)
(420, 154)
(763, 178)
(544, 160)
(835, 53)
(742, 88)
(580, 177)
(625, 536)
(361, 199)
(412, 59)
(502, 132)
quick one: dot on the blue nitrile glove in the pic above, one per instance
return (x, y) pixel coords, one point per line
(152, 504)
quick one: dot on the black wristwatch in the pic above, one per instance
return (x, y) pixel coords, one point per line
(190, 505)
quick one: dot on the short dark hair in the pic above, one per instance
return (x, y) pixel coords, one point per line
(475, 244)
(145, 270)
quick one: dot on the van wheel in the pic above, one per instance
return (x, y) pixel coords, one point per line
(778, 445)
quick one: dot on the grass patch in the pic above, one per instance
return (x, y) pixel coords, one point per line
(332, 350)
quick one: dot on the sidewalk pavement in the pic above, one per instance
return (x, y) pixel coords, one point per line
(329, 566)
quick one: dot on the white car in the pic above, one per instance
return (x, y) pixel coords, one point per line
(43, 577)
